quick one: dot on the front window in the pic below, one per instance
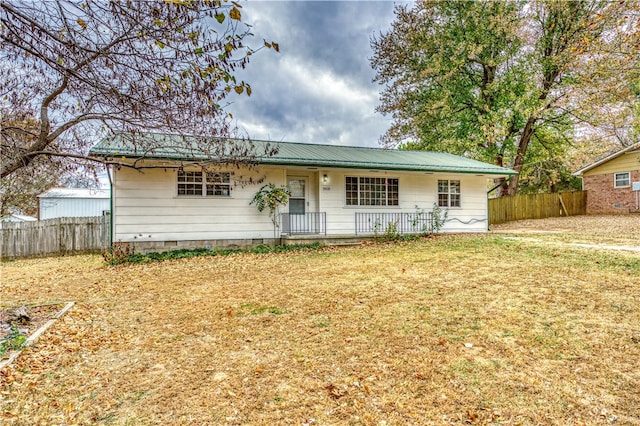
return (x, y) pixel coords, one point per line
(218, 183)
(371, 191)
(204, 183)
(448, 193)
(622, 180)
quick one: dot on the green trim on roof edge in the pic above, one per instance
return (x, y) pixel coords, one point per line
(301, 154)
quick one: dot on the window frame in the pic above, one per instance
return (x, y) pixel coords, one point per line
(615, 180)
(450, 193)
(372, 191)
(209, 187)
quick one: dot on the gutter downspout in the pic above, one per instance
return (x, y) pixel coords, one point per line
(111, 224)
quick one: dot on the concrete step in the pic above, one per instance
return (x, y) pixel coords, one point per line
(341, 243)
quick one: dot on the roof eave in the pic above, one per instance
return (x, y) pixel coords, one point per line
(320, 163)
(628, 150)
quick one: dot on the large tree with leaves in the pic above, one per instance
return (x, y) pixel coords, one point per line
(502, 81)
(79, 68)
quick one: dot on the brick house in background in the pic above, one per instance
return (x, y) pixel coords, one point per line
(610, 182)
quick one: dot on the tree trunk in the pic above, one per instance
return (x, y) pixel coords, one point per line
(518, 162)
(502, 182)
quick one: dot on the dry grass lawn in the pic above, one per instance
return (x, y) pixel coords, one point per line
(452, 330)
(616, 230)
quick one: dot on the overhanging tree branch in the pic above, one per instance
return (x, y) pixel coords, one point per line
(124, 66)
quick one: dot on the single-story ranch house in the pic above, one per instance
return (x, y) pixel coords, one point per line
(337, 192)
(612, 183)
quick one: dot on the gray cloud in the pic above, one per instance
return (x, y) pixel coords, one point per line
(319, 88)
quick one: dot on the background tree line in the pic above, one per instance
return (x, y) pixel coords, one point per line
(537, 86)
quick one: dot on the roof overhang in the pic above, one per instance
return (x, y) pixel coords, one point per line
(633, 149)
(305, 155)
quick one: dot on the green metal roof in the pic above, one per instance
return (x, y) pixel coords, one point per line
(159, 146)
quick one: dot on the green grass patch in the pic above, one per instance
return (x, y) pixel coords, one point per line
(13, 342)
(254, 309)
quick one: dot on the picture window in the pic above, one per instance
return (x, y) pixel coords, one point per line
(371, 191)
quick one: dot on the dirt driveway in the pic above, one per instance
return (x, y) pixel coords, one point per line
(608, 232)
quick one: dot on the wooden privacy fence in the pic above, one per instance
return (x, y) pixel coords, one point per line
(537, 206)
(64, 235)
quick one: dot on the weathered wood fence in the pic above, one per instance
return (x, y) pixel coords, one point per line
(537, 206)
(67, 235)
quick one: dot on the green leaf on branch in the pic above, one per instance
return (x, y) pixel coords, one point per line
(271, 197)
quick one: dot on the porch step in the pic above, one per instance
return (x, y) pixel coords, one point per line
(327, 240)
(342, 243)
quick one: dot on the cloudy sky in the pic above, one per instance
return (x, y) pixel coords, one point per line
(319, 88)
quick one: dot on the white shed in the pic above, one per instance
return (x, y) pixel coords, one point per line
(73, 202)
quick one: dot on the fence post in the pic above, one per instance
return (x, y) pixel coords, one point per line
(105, 229)
(60, 237)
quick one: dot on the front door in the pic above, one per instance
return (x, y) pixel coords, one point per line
(298, 199)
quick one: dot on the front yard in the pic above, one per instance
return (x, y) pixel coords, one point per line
(452, 330)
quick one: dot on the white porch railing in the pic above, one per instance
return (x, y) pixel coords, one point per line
(304, 223)
(400, 223)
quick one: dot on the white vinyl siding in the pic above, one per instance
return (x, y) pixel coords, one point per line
(147, 207)
(416, 191)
